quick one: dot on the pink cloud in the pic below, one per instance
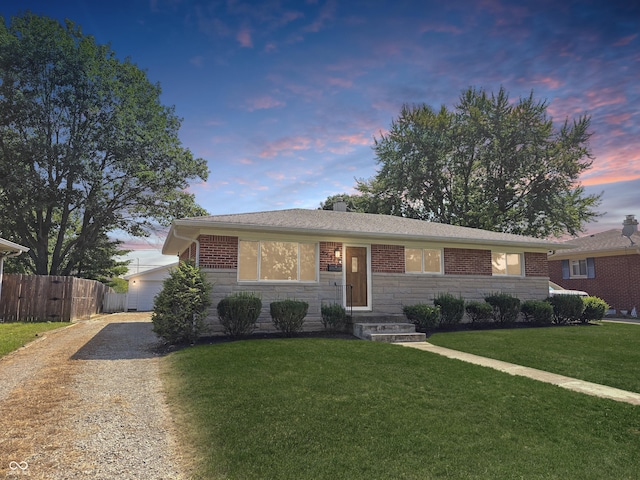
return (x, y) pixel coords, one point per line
(263, 103)
(340, 82)
(357, 139)
(603, 97)
(625, 40)
(244, 37)
(547, 81)
(288, 145)
(617, 119)
(326, 14)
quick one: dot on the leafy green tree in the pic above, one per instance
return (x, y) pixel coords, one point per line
(490, 163)
(179, 310)
(86, 147)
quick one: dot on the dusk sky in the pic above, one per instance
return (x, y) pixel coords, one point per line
(283, 98)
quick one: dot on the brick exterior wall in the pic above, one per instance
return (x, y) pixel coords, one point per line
(466, 261)
(189, 253)
(617, 280)
(218, 252)
(387, 259)
(327, 254)
(536, 264)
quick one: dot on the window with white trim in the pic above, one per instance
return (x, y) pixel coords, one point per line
(579, 268)
(422, 260)
(503, 263)
(277, 261)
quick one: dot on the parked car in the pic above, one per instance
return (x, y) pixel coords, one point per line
(555, 289)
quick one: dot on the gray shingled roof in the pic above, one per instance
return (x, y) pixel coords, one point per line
(353, 224)
(607, 241)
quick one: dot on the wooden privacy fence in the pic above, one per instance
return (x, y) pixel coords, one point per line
(41, 298)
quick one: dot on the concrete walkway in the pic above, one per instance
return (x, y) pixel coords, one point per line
(560, 380)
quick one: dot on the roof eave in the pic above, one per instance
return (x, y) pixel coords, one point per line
(199, 225)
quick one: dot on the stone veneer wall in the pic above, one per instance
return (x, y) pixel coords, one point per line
(327, 290)
(391, 291)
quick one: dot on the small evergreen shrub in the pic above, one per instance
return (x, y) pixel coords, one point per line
(288, 315)
(594, 309)
(567, 308)
(479, 312)
(537, 311)
(334, 317)
(506, 308)
(424, 317)
(181, 306)
(239, 312)
(451, 308)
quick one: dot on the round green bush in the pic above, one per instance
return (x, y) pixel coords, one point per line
(424, 317)
(506, 308)
(479, 312)
(594, 309)
(334, 317)
(567, 308)
(451, 308)
(537, 311)
(288, 315)
(238, 313)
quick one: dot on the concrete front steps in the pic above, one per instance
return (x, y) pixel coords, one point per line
(391, 330)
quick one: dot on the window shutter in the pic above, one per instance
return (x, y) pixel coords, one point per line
(591, 268)
(565, 269)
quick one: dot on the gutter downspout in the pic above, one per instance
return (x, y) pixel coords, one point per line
(2, 257)
(197, 242)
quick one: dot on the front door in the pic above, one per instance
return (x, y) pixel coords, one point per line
(356, 276)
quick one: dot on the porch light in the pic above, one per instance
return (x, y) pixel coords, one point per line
(338, 253)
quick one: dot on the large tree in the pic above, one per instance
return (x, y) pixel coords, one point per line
(489, 163)
(86, 147)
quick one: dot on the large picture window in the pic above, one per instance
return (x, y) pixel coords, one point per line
(277, 261)
(506, 263)
(422, 260)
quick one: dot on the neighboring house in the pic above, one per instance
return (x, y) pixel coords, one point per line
(606, 265)
(144, 286)
(374, 264)
(8, 249)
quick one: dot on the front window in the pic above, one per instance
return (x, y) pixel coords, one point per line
(277, 261)
(579, 268)
(506, 263)
(422, 260)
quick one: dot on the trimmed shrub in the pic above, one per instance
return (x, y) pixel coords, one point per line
(594, 309)
(479, 312)
(451, 308)
(181, 306)
(334, 317)
(537, 311)
(239, 312)
(288, 315)
(424, 317)
(567, 308)
(506, 308)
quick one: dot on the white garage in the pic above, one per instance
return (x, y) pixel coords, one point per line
(144, 286)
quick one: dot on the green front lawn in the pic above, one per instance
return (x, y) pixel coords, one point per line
(339, 409)
(15, 335)
(607, 353)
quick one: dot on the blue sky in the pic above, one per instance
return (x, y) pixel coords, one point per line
(283, 98)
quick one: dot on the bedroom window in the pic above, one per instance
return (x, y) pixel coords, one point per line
(579, 268)
(506, 263)
(277, 261)
(422, 260)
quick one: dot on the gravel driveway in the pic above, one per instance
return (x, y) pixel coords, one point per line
(87, 402)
